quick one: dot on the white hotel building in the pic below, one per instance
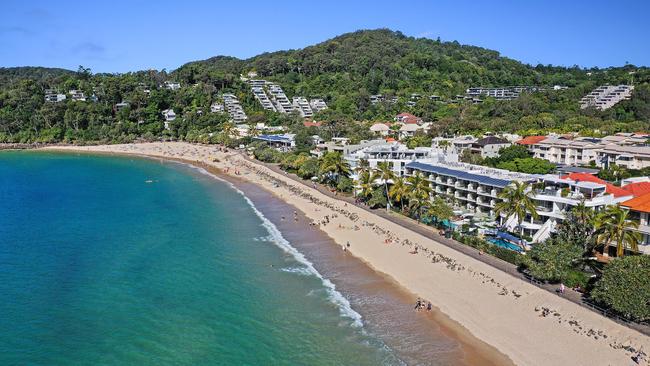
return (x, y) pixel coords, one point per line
(476, 189)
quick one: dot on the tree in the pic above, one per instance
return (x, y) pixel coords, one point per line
(614, 227)
(384, 173)
(420, 192)
(365, 183)
(553, 260)
(516, 200)
(527, 165)
(439, 209)
(377, 198)
(625, 286)
(309, 168)
(333, 164)
(578, 228)
(398, 191)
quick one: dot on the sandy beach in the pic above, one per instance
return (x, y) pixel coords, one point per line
(527, 324)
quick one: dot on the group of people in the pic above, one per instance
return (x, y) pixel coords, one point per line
(423, 305)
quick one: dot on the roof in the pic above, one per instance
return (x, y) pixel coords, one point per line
(275, 138)
(482, 179)
(641, 203)
(638, 189)
(379, 127)
(312, 124)
(491, 140)
(610, 188)
(531, 140)
(402, 115)
(409, 128)
(576, 169)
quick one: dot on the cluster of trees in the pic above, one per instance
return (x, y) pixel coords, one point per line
(516, 158)
(345, 71)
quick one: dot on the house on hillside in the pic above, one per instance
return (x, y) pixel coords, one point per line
(380, 129)
(408, 118)
(169, 116)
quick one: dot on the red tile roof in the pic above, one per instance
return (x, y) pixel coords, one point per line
(531, 140)
(405, 115)
(641, 203)
(611, 189)
(638, 189)
(312, 124)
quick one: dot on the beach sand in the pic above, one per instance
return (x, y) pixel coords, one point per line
(499, 309)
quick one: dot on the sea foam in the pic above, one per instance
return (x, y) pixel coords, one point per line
(333, 295)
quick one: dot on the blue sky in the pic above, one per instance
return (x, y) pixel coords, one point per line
(119, 36)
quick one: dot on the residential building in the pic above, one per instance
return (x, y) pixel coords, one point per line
(559, 150)
(408, 118)
(171, 85)
(397, 155)
(217, 108)
(119, 106)
(261, 97)
(529, 141)
(77, 95)
(504, 93)
(301, 105)
(317, 105)
(284, 142)
(340, 145)
(280, 100)
(639, 208)
(631, 157)
(169, 116)
(476, 189)
(234, 109)
(461, 143)
(51, 96)
(488, 147)
(408, 130)
(380, 129)
(606, 96)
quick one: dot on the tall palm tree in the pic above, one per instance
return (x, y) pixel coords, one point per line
(335, 164)
(614, 226)
(399, 191)
(516, 200)
(228, 131)
(384, 173)
(420, 191)
(252, 130)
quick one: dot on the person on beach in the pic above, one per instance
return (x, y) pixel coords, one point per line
(418, 304)
(429, 306)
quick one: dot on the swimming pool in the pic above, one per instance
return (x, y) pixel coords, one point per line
(505, 244)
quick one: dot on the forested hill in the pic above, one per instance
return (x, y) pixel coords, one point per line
(345, 71)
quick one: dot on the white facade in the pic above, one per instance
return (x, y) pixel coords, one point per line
(631, 157)
(564, 151)
(395, 154)
(606, 96)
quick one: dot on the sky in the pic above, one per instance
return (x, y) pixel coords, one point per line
(121, 35)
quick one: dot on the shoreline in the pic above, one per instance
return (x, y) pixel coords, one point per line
(488, 304)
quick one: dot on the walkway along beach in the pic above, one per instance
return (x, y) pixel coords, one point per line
(528, 324)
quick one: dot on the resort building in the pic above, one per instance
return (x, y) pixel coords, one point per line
(169, 116)
(606, 96)
(408, 118)
(280, 100)
(380, 129)
(261, 97)
(397, 155)
(505, 93)
(630, 157)
(341, 145)
(234, 109)
(476, 188)
(559, 150)
(488, 147)
(317, 105)
(301, 105)
(217, 108)
(639, 208)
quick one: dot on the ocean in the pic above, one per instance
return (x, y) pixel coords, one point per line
(129, 261)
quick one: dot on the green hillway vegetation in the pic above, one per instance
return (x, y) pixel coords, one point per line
(345, 71)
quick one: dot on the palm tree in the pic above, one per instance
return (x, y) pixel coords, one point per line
(334, 163)
(384, 173)
(398, 191)
(420, 191)
(439, 209)
(252, 130)
(613, 226)
(228, 131)
(365, 183)
(516, 200)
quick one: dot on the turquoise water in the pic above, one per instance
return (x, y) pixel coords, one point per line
(504, 244)
(98, 266)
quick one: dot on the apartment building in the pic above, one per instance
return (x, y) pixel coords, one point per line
(261, 97)
(639, 208)
(341, 145)
(505, 93)
(559, 150)
(280, 100)
(234, 109)
(77, 95)
(317, 105)
(301, 105)
(216, 108)
(476, 189)
(606, 96)
(395, 154)
(171, 85)
(628, 156)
